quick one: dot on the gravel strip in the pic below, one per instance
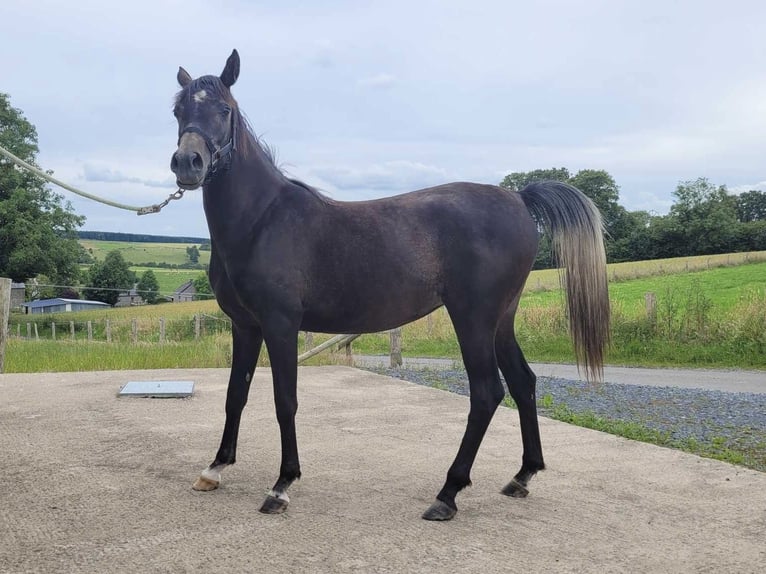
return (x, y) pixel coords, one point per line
(687, 417)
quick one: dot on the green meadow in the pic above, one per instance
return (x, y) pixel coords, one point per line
(704, 317)
(141, 253)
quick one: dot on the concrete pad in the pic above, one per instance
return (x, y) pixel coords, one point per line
(93, 483)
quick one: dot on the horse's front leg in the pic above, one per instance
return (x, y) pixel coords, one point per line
(282, 343)
(247, 342)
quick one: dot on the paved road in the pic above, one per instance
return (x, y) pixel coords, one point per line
(96, 483)
(712, 379)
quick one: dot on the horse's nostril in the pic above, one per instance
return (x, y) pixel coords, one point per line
(197, 162)
(174, 163)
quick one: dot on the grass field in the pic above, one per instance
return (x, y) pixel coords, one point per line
(541, 280)
(138, 253)
(709, 318)
(548, 279)
(723, 286)
(169, 279)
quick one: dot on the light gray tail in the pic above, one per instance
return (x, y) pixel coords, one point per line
(577, 239)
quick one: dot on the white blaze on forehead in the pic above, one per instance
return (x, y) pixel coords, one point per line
(200, 96)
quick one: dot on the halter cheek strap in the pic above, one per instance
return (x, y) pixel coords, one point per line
(216, 153)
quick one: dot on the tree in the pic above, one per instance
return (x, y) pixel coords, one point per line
(37, 227)
(84, 256)
(106, 279)
(149, 287)
(754, 236)
(69, 293)
(751, 206)
(705, 218)
(633, 243)
(202, 286)
(518, 180)
(603, 190)
(192, 253)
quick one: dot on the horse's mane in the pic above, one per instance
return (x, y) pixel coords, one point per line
(246, 135)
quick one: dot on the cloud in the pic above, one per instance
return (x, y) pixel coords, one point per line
(381, 80)
(105, 175)
(391, 176)
(737, 189)
(323, 55)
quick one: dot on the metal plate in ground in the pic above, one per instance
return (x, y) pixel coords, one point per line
(157, 389)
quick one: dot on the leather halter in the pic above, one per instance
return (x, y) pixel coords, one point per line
(216, 153)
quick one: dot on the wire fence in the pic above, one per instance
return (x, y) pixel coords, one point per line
(162, 330)
(144, 330)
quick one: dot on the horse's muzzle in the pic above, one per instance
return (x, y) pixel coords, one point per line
(190, 162)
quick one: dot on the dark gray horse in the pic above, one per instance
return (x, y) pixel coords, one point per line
(286, 258)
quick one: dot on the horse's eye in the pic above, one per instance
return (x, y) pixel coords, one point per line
(225, 110)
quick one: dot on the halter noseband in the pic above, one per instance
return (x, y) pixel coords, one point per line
(216, 153)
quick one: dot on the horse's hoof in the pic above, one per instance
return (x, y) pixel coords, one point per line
(273, 505)
(205, 484)
(439, 511)
(515, 489)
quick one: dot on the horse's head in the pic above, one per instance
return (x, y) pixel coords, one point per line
(205, 111)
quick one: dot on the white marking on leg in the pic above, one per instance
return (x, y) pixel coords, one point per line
(280, 495)
(200, 96)
(214, 473)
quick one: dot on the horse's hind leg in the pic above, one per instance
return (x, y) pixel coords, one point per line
(246, 343)
(476, 344)
(521, 383)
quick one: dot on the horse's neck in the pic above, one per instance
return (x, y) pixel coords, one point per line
(236, 199)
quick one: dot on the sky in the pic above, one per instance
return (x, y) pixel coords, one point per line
(366, 99)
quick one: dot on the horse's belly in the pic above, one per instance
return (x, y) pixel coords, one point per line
(361, 315)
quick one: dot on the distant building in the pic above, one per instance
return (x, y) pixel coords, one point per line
(60, 305)
(129, 298)
(18, 294)
(184, 293)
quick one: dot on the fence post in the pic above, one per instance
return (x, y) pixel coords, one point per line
(308, 341)
(90, 331)
(71, 329)
(650, 299)
(53, 330)
(108, 328)
(29, 330)
(430, 324)
(134, 330)
(396, 347)
(349, 360)
(5, 309)
(162, 329)
(196, 326)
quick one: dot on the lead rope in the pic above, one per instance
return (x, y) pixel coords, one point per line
(139, 210)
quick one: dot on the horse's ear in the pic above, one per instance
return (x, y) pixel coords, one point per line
(231, 71)
(183, 77)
